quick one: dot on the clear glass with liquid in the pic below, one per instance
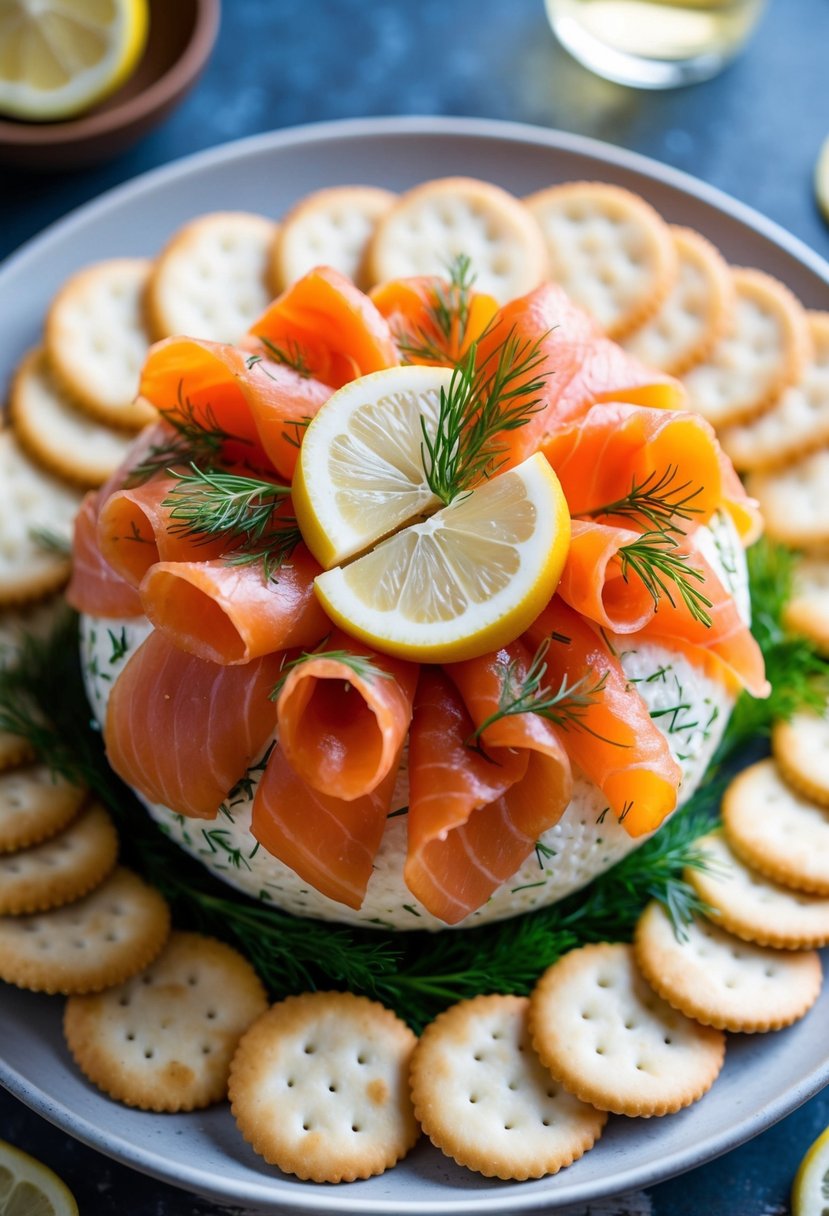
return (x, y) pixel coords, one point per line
(654, 44)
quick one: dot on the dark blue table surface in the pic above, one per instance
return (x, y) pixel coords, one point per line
(755, 131)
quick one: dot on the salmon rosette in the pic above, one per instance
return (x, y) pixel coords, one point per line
(433, 609)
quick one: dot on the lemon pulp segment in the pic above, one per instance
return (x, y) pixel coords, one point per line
(30, 1188)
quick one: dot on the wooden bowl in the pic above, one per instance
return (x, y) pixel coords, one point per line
(181, 37)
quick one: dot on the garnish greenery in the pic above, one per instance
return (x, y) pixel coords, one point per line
(206, 505)
(524, 692)
(51, 542)
(417, 973)
(360, 664)
(655, 504)
(197, 439)
(444, 334)
(291, 355)
(656, 559)
(481, 402)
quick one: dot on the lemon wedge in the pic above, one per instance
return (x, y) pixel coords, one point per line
(465, 581)
(822, 179)
(360, 472)
(29, 1188)
(57, 59)
(810, 1190)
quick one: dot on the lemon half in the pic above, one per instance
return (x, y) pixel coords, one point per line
(465, 581)
(30, 1188)
(810, 1191)
(59, 57)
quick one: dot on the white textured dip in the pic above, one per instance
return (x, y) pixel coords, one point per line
(690, 708)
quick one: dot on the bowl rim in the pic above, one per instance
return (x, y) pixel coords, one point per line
(132, 109)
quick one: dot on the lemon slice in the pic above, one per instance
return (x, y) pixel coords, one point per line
(360, 471)
(822, 179)
(464, 582)
(810, 1190)
(29, 1188)
(57, 59)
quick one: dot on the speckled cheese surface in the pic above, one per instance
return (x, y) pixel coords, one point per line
(689, 707)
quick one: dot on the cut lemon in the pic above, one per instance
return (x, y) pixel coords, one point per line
(464, 582)
(360, 471)
(822, 179)
(59, 57)
(30, 1188)
(810, 1191)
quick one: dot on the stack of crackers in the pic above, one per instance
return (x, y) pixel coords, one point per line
(331, 1086)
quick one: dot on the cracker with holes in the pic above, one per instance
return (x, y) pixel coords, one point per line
(755, 908)
(211, 281)
(59, 436)
(794, 502)
(610, 1040)
(807, 611)
(328, 228)
(775, 829)
(610, 251)
(694, 313)
(60, 869)
(800, 747)
(91, 944)
(431, 225)
(764, 349)
(719, 980)
(34, 805)
(31, 501)
(96, 340)
(163, 1040)
(484, 1099)
(319, 1087)
(798, 422)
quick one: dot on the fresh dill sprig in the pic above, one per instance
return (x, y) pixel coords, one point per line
(656, 560)
(291, 355)
(198, 439)
(51, 542)
(360, 664)
(444, 333)
(655, 503)
(299, 426)
(526, 694)
(481, 403)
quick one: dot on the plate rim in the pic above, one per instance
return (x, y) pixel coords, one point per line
(477, 129)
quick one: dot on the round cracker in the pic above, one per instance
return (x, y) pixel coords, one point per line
(771, 826)
(34, 805)
(93, 943)
(609, 249)
(431, 225)
(60, 437)
(60, 869)
(756, 908)
(14, 751)
(318, 1087)
(794, 502)
(609, 1039)
(31, 499)
(764, 349)
(800, 747)
(328, 228)
(719, 980)
(97, 341)
(164, 1039)
(211, 281)
(484, 1099)
(807, 611)
(695, 312)
(797, 423)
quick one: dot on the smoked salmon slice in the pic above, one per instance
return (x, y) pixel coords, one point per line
(329, 325)
(329, 842)
(595, 582)
(473, 820)
(260, 403)
(578, 365)
(94, 586)
(183, 731)
(616, 447)
(232, 613)
(615, 742)
(412, 307)
(343, 716)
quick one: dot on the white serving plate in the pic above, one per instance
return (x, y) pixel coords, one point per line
(765, 1077)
